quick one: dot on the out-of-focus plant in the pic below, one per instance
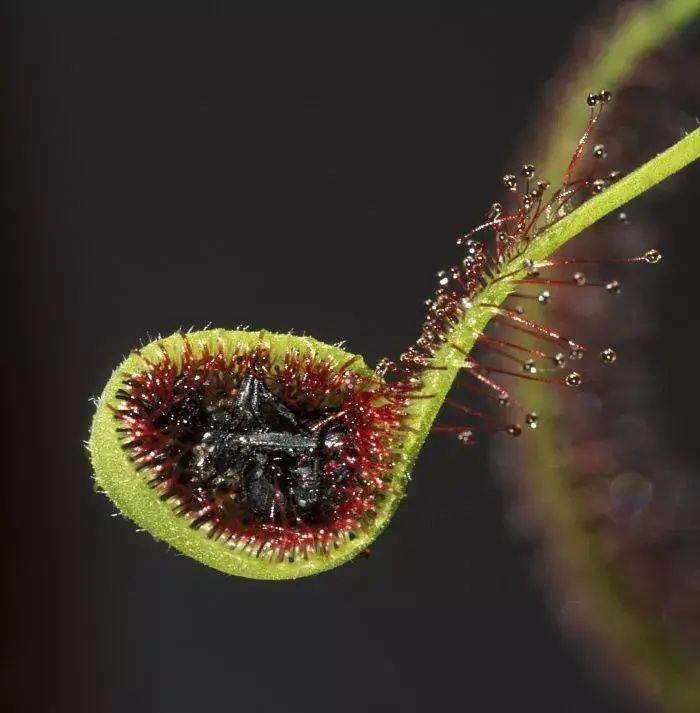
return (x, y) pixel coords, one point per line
(618, 528)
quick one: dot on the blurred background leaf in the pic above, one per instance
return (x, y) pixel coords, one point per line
(618, 524)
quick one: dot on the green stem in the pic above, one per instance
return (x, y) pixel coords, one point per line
(449, 359)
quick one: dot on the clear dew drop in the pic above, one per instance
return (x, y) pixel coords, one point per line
(529, 367)
(510, 182)
(495, 211)
(385, 366)
(576, 352)
(599, 151)
(579, 278)
(466, 437)
(541, 187)
(530, 268)
(608, 356)
(528, 170)
(514, 430)
(531, 419)
(559, 360)
(652, 257)
(545, 297)
(598, 186)
(613, 287)
(573, 379)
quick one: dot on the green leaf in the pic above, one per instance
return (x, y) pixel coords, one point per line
(128, 488)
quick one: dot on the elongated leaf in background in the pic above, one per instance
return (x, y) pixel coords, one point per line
(605, 489)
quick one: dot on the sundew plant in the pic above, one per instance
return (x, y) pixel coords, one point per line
(274, 456)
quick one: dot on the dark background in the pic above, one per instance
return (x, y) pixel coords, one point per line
(287, 165)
